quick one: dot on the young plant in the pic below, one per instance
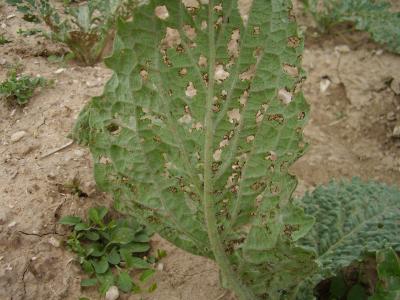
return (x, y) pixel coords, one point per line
(3, 40)
(195, 133)
(108, 250)
(372, 16)
(19, 89)
(29, 32)
(87, 29)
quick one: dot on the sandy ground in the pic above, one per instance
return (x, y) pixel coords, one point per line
(354, 91)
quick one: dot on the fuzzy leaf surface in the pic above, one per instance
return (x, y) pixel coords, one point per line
(147, 132)
(351, 219)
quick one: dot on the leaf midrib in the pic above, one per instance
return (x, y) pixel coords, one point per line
(355, 230)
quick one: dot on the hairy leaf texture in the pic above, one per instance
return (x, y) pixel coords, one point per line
(148, 132)
(351, 219)
(373, 16)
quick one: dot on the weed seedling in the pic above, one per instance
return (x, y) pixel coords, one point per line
(18, 89)
(108, 250)
(3, 40)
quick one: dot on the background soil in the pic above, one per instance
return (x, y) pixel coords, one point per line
(350, 134)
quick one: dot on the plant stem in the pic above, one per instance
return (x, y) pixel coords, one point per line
(241, 291)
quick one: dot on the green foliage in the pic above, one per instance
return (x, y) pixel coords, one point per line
(29, 32)
(376, 278)
(194, 135)
(352, 219)
(388, 267)
(194, 145)
(107, 251)
(372, 16)
(86, 29)
(19, 89)
(3, 40)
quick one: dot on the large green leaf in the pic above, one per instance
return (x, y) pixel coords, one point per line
(388, 267)
(352, 219)
(197, 93)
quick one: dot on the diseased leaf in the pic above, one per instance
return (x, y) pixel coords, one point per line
(201, 119)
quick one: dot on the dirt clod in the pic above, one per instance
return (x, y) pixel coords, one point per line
(396, 131)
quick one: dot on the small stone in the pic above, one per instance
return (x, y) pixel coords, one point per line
(12, 224)
(79, 153)
(324, 85)
(379, 52)
(3, 25)
(391, 116)
(342, 49)
(10, 17)
(160, 267)
(17, 136)
(3, 61)
(112, 293)
(396, 132)
(92, 84)
(54, 242)
(59, 71)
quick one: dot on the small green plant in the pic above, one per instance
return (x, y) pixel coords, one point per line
(194, 136)
(372, 16)
(18, 89)
(3, 40)
(107, 251)
(87, 29)
(29, 32)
